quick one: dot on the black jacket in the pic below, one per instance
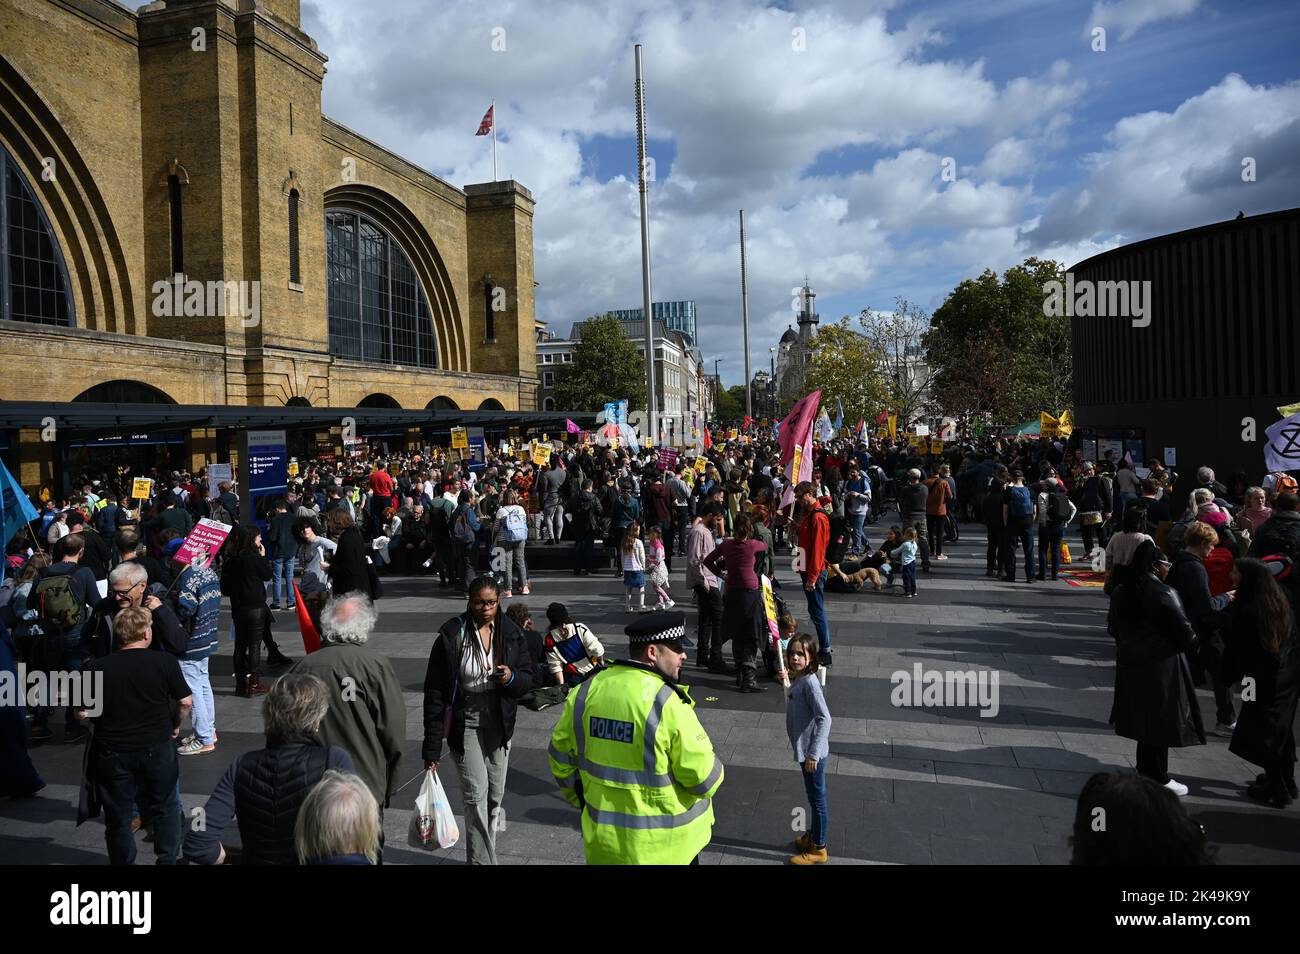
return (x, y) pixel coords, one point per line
(348, 572)
(1155, 701)
(586, 512)
(264, 790)
(243, 579)
(442, 681)
(1264, 733)
(98, 554)
(1189, 578)
(97, 638)
(1280, 533)
(911, 503)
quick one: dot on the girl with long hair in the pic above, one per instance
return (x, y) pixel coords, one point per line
(633, 553)
(1260, 647)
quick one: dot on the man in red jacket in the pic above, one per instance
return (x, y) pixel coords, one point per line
(814, 534)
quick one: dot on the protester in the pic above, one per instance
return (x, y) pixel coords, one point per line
(478, 668)
(264, 790)
(808, 724)
(814, 534)
(1145, 825)
(367, 712)
(339, 823)
(244, 576)
(133, 757)
(742, 613)
(633, 553)
(510, 532)
(573, 653)
(198, 606)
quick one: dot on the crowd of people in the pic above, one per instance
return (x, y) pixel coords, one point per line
(1202, 594)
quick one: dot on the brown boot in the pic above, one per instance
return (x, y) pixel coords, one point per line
(810, 856)
(255, 687)
(803, 843)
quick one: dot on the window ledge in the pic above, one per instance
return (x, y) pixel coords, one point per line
(297, 286)
(488, 341)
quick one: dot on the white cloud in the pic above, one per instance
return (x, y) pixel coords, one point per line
(1129, 16)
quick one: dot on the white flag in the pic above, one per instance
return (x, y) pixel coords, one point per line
(1282, 452)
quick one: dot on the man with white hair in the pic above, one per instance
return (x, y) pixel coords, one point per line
(367, 714)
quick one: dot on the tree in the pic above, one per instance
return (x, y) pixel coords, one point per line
(847, 366)
(731, 404)
(897, 337)
(606, 367)
(993, 349)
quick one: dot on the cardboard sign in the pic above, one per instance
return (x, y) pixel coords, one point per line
(216, 474)
(701, 464)
(459, 438)
(668, 459)
(293, 468)
(936, 447)
(542, 454)
(142, 488)
(203, 542)
(923, 430)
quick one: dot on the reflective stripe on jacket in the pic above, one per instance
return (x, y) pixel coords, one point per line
(631, 753)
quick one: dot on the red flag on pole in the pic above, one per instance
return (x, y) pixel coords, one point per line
(310, 638)
(708, 439)
(485, 126)
(796, 428)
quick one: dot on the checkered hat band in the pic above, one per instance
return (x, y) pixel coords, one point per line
(673, 632)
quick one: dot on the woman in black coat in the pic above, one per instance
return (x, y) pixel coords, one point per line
(244, 576)
(479, 667)
(1155, 701)
(1261, 647)
(348, 572)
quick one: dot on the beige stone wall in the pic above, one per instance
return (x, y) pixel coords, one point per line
(122, 99)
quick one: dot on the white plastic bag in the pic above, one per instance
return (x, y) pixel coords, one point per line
(433, 825)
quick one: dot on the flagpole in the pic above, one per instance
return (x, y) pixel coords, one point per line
(651, 403)
(494, 140)
(744, 311)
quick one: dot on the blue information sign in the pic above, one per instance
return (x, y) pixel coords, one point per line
(268, 460)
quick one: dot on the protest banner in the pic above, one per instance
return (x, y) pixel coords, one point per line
(541, 454)
(668, 459)
(203, 542)
(459, 438)
(142, 488)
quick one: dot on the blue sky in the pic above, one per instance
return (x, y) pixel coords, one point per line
(828, 122)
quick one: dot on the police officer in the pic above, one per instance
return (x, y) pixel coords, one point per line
(630, 752)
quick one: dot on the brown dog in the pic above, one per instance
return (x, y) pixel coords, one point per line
(860, 577)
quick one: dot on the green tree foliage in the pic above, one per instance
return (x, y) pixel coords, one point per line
(992, 348)
(731, 403)
(848, 366)
(606, 367)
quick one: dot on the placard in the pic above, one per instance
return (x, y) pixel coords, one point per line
(701, 464)
(459, 438)
(936, 447)
(668, 459)
(203, 543)
(142, 488)
(216, 474)
(1171, 457)
(541, 454)
(922, 430)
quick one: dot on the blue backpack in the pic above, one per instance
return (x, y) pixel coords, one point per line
(1021, 506)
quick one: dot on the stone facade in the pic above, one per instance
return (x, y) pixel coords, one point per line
(101, 106)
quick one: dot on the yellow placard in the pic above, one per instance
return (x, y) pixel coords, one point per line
(142, 488)
(459, 438)
(732, 434)
(936, 447)
(701, 464)
(292, 469)
(1066, 425)
(893, 427)
(796, 463)
(542, 454)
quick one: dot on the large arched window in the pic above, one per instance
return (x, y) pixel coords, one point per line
(377, 309)
(33, 279)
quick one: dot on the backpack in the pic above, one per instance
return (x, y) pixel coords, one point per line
(1284, 484)
(1058, 507)
(516, 526)
(220, 514)
(463, 531)
(1021, 505)
(57, 607)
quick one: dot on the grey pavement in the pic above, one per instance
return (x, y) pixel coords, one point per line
(909, 785)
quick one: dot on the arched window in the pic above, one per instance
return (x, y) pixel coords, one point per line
(33, 279)
(377, 309)
(177, 224)
(295, 273)
(548, 404)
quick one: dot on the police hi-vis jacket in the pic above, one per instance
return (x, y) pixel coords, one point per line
(630, 752)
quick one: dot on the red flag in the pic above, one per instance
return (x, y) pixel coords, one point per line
(310, 638)
(708, 439)
(748, 423)
(485, 126)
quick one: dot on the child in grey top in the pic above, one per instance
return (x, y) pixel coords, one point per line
(808, 723)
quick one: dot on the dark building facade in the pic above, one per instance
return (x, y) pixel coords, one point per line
(1219, 342)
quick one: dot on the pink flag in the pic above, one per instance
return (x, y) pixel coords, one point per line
(573, 428)
(796, 428)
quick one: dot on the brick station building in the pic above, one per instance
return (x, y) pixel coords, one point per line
(181, 224)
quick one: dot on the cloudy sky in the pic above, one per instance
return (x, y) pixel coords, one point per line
(829, 123)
